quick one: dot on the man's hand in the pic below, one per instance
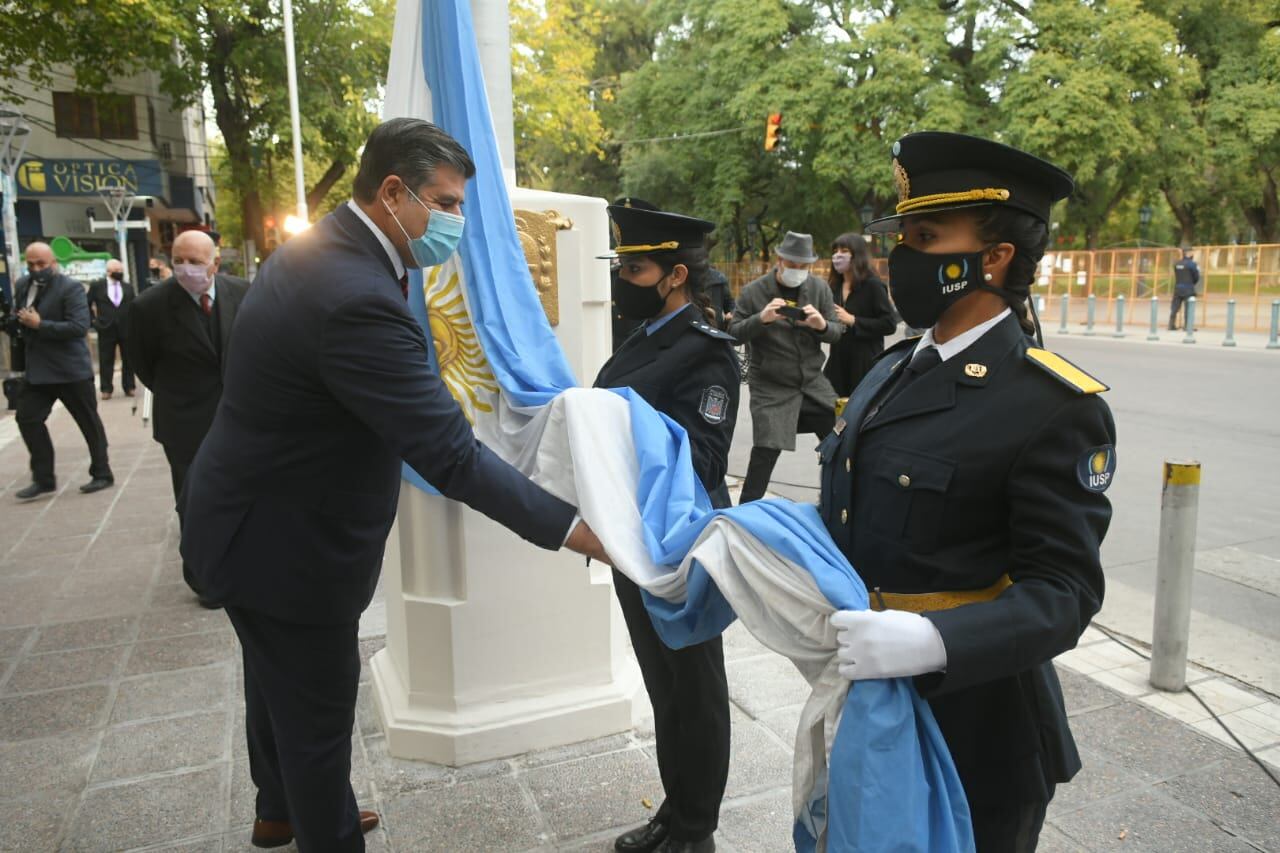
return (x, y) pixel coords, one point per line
(887, 644)
(844, 316)
(770, 312)
(813, 319)
(583, 540)
(29, 317)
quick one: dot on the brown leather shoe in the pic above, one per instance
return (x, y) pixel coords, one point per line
(277, 833)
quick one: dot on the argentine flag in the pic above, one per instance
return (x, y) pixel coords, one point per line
(872, 772)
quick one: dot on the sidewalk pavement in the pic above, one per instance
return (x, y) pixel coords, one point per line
(122, 723)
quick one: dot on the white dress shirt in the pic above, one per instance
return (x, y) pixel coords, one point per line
(382, 238)
(960, 342)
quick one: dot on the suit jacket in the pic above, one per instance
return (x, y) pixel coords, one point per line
(688, 371)
(107, 316)
(290, 499)
(171, 352)
(982, 467)
(57, 352)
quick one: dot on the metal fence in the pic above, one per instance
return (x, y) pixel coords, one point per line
(1248, 274)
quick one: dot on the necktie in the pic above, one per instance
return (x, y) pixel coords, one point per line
(206, 304)
(115, 294)
(404, 286)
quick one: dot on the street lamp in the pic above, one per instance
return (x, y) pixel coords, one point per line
(1144, 219)
(14, 135)
(867, 213)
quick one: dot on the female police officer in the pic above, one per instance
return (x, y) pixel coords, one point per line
(686, 369)
(965, 482)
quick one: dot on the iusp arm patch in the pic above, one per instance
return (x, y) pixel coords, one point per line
(714, 406)
(1097, 468)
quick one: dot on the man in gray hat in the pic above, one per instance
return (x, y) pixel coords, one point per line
(784, 317)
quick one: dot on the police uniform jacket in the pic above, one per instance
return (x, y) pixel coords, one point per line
(991, 463)
(1186, 276)
(57, 352)
(687, 370)
(786, 357)
(290, 498)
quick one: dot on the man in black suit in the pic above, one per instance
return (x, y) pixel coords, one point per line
(290, 499)
(54, 319)
(109, 300)
(178, 336)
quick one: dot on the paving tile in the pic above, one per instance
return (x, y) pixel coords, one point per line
(86, 633)
(1081, 693)
(1225, 698)
(1097, 780)
(129, 540)
(22, 601)
(492, 814)
(573, 751)
(181, 652)
(738, 643)
(36, 715)
(137, 749)
(1238, 796)
(189, 618)
(47, 767)
(760, 685)
(579, 797)
(1147, 821)
(1054, 840)
(125, 601)
(395, 776)
(1129, 680)
(51, 546)
(165, 595)
(169, 807)
(757, 762)
(12, 640)
(1145, 743)
(65, 669)
(209, 844)
(759, 825)
(169, 693)
(1180, 706)
(29, 826)
(784, 722)
(1245, 731)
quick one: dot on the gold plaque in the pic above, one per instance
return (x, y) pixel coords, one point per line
(901, 181)
(537, 232)
(977, 371)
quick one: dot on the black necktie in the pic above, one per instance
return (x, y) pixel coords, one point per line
(404, 285)
(921, 363)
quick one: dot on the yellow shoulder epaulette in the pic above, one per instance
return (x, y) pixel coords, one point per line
(1064, 371)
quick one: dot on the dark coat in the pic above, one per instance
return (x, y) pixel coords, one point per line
(57, 352)
(719, 294)
(965, 476)
(688, 371)
(853, 354)
(289, 501)
(173, 355)
(1186, 277)
(786, 357)
(107, 316)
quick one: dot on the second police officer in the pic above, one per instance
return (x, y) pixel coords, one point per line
(965, 482)
(685, 368)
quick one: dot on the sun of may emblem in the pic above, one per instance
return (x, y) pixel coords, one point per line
(462, 363)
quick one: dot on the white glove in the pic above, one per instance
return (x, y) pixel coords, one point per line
(887, 644)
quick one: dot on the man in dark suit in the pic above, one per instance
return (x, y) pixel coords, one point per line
(54, 319)
(178, 336)
(109, 300)
(290, 499)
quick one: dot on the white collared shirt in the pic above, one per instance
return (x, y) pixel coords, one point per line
(382, 238)
(960, 342)
(212, 291)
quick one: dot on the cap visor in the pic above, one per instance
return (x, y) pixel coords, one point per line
(893, 224)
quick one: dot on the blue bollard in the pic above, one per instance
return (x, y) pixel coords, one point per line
(1093, 308)
(1191, 321)
(1230, 339)
(1274, 342)
(1062, 329)
(1119, 333)
(1154, 333)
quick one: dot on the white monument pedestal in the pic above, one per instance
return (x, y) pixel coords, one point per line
(496, 647)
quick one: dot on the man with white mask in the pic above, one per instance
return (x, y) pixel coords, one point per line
(784, 317)
(177, 340)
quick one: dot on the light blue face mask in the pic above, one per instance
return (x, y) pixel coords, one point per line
(439, 241)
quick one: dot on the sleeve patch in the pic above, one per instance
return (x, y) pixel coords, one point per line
(714, 406)
(1097, 468)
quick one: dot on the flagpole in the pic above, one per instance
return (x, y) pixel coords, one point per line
(292, 73)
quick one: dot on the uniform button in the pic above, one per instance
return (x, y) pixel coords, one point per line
(848, 465)
(904, 480)
(844, 516)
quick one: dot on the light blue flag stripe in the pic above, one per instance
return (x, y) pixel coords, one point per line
(892, 783)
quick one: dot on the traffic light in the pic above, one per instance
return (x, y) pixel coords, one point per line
(270, 234)
(771, 127)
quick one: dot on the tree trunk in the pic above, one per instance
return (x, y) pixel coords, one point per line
(1185, 216)
(330, 177)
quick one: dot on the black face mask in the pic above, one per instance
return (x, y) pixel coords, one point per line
(118, 276)
(43, 276)
(636, 302)
(925, 285)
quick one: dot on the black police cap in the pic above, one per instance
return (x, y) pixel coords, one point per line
(640, 228)
(950, 171)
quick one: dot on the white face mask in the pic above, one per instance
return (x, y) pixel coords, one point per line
(791, 277)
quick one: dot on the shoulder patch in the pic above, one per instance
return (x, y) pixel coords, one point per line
(712, 331)
(1096, 468)
(714, 405)
(1065, 372)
